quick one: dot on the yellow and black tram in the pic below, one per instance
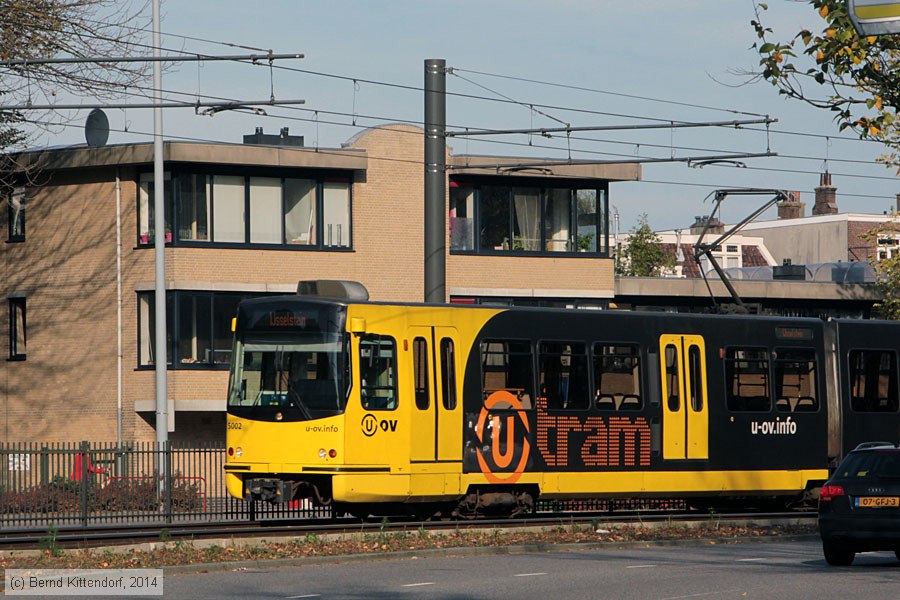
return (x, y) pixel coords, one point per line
(376, 408)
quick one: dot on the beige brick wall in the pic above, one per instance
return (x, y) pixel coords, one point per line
(67, 390)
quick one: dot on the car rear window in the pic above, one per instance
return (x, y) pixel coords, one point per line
(879, 463)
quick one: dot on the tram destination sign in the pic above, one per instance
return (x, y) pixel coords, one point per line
(875, 17)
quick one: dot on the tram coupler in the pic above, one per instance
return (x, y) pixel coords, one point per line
(274, 491)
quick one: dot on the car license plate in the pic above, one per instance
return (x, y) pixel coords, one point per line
(877, 501)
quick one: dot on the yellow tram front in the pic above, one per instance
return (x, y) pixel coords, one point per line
(287, 395)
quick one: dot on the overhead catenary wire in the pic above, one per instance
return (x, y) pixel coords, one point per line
(421, 163)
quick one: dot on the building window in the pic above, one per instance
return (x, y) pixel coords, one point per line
(201, 323)
(17, 322)
(888, 246)
(16, 216)
(259, 211)
(489, 219)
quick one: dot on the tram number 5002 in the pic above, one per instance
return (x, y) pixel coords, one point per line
(234, 426)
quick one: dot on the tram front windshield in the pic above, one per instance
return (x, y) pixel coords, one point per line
(301, 379)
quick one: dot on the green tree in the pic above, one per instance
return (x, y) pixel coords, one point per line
(829, 66)
(887, 270)
(643, 255)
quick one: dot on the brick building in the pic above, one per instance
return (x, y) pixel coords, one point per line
(246, 220)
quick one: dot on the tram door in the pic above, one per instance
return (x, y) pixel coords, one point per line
(436, 420)
(685, 406)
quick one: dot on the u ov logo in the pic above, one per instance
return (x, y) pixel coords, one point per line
(516, 431)
(369, 425)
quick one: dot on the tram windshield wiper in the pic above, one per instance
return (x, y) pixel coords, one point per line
(293, 397)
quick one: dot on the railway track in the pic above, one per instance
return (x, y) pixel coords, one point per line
(78, 537)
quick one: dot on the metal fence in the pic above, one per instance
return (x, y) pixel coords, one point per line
(88, 484)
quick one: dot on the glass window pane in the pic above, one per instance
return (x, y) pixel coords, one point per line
(193, 207)
(795, 381)
(673, 383)
(17, 323)
(462, 218)
(507, 365)
(526, 219)
(336, 214)
(420, 372)
(586, 209)
(747, 379)
(564, 375)
(558, 221)
(224, 309)
(377, 373)
(16, 215)
(146, 208)
(265, 210)
(194, 328)
(695, 365)
(617, 377)
(448, 373)
(873, 381)
(300, 211)
(228, 195)
(147, 334)
(493, 216)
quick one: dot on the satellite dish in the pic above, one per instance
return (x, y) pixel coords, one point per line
(96, 128)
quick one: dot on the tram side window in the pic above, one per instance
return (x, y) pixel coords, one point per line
(873, 381)
(378, 372)
(747, 376)
(617, 377)
(507, 365)
(420, 371)
(564, 375)
(448, 374)
(673, 383)
(795, 381)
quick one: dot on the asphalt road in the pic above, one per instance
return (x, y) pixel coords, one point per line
(793, 570)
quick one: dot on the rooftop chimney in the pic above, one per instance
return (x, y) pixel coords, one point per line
(791, 208)
(267, 139)
(826, 196)
(715, 226)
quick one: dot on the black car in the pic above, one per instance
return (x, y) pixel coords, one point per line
(859, 506)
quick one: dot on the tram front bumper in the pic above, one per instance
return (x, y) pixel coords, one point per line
(276, 491)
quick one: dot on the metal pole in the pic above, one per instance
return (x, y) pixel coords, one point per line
(159, 245)
(435, 180)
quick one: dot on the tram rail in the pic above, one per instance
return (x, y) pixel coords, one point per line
(98, 536)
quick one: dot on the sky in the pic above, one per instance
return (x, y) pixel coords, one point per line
(638, 62)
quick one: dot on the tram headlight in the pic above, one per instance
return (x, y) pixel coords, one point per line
(278, 416)
(322, 453)
(238, 452)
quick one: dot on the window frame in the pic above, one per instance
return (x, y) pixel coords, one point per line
(395, 397)
(893, 404)
(728, 379)
(460, 190)
(597, 373)
(173, 177)
(778, 374)
(544, 351)
(17, 305)
(12, 218)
